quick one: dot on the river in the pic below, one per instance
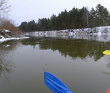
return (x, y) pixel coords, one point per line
(78, 63)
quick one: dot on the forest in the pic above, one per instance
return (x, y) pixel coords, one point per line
(73, 19)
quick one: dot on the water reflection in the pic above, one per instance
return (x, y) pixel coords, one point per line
(79, 63)
(107, 60)
(71, 47)
(89, 69)
(6, 64)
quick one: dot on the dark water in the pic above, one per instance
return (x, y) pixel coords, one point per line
(79, 63)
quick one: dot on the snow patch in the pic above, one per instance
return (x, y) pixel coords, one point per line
(6, 30)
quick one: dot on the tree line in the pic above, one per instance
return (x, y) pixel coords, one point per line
(74, 19)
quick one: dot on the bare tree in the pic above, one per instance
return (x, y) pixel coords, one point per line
(4, 7)
(9, 25)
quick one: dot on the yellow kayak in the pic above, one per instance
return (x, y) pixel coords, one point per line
(106, 52)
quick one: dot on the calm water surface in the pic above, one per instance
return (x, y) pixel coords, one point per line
(79, 63)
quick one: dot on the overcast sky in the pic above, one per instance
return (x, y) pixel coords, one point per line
(27, 10)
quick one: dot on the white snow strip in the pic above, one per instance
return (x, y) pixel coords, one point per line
(6, 39)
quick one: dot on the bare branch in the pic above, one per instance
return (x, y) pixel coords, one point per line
(4, 8)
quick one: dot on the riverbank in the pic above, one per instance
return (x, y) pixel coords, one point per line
(6, 35)
(104, 30)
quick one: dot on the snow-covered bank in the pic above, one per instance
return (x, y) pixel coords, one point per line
(98, 34)
(105, 30)
(6, 35)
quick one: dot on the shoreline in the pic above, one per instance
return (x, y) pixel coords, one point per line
(6, 35)
(104, 30)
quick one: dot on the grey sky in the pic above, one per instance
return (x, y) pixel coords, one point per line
(27, 10)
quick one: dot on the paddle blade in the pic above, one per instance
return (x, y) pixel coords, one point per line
(106, 52)
(54, 84)
(108, 91)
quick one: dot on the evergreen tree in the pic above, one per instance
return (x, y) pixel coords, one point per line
(53, 23)
(24, 26)
(102, 15)
(93, 19)
(32, 26)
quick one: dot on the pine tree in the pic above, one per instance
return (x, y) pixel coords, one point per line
(32, 25)
(24, 26)
(102, 15)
